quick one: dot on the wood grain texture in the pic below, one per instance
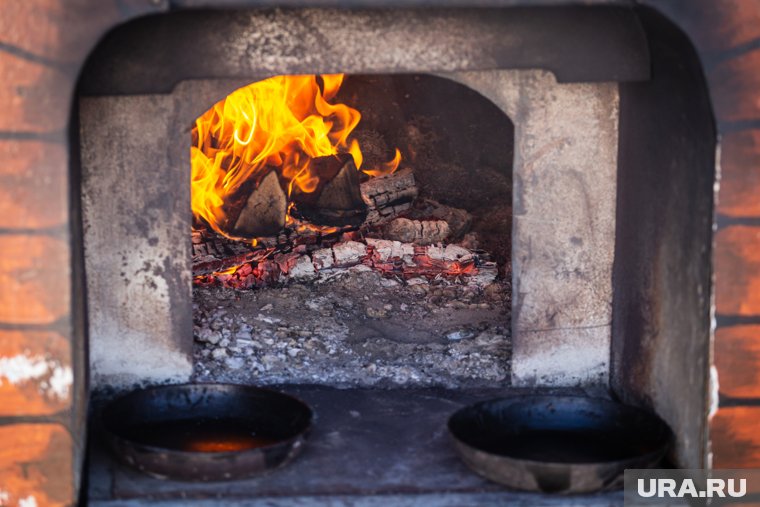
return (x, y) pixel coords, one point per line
(737, 357)
(735, 435)
(737, 270)
(739, 194)
(35, 465)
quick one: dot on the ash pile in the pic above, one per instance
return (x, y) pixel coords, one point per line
(387, 303)
(358, 329)
(395, 280)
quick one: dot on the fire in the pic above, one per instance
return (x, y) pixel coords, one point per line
(283, 123)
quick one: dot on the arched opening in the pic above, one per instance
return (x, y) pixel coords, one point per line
(389, 268)
(584, 155)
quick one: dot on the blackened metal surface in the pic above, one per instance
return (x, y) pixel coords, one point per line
(661, 310)
(152, 54)
(363, 442)
(138, 427)
(557, 444)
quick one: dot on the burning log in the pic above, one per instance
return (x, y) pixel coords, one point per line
(341, 192)
(419, 232)
(336, 200)
(296, 266)
(303, 251)
(388, 196)
(458, 220)
(212, 253)
(393, 259)
(263, 211)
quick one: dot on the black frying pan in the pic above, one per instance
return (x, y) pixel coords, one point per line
(206, 432)
(557, 444)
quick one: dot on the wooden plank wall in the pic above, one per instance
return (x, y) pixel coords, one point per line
(43, 44)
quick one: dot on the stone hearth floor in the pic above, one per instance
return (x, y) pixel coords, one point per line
(368, 448)
(358, 329)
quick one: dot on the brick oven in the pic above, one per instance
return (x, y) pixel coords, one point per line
(572, 204)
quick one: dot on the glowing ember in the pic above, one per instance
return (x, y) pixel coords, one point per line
(281, 123)
(400, 261)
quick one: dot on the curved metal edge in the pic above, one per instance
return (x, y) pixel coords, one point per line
(164, 463)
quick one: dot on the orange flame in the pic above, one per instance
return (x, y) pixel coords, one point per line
(386, 168)
(282, 122)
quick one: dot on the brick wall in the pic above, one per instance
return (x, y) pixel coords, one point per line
(727, 36)
(43, 44)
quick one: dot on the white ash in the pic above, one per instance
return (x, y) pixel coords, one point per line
(323, 258)
(349, 253)
(388, 249)
(448, 253)
(355, 329)
(303, 269)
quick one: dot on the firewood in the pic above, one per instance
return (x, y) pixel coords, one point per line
(336, 201)
(391, 258)
(213, 253)
(390, 189)
(342, 191)
(458, 220)
(264, 211)
(419, 232)
(388, 196)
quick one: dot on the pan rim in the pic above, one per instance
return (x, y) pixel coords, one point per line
(287, 442)
(661, 449)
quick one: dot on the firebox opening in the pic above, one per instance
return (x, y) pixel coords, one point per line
(605, 102)
(353, 231)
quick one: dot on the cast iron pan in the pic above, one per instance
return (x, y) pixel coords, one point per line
(557, 444)
(206, 432)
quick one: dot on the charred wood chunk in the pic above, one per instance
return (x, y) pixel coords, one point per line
(349, 253)
(212, 253)
(393, 259)
(336, 200)
(387, 250)
(390, 189)
(302, 269)
(458, 220)
(342, 192)
(388, 196)
(420, 232)
(263, 213)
